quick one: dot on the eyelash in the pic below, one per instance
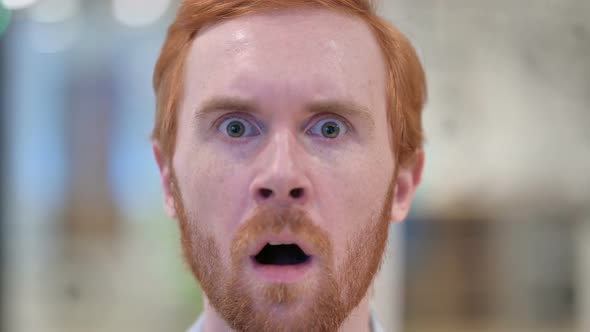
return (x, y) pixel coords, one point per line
(329, 116)
(343, 125)
(239, 117)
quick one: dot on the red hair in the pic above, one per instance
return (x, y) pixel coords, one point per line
(406, 86)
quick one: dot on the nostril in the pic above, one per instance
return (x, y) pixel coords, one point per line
(265, 193)
(296, 193)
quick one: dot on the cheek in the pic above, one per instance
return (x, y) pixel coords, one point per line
(351, 197)
(214, 194)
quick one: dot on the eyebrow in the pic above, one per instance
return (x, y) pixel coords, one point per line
(344, 108)
(233, 104)
(226, 104)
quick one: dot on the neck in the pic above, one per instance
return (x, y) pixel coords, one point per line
(357, 321)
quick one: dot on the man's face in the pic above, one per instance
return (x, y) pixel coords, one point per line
(282, 178)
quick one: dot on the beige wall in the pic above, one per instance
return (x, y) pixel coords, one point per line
(508, 120)
(509, 106)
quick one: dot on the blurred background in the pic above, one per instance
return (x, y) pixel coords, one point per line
(498, 238)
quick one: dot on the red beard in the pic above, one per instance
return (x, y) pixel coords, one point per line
(322, 303)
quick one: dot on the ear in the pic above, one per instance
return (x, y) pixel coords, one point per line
(166, 179)
(408, 179)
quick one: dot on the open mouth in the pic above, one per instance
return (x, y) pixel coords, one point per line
(281, 254)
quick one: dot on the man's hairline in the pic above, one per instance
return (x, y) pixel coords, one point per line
(305, 7)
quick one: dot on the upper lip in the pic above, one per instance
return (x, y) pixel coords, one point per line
(282, 238)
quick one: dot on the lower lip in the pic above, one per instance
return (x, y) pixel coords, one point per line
(282, 273)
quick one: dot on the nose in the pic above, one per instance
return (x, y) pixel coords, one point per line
(281, 178)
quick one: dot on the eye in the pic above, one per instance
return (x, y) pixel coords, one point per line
(329, 128)
(237, 127)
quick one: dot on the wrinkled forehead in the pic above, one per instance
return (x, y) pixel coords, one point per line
(288, 27)
(316, 48)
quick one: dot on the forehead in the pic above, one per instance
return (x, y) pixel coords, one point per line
(292, 54)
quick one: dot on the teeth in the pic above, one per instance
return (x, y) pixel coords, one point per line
(278, 243)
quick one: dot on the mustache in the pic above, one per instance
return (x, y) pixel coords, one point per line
(273, 221)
